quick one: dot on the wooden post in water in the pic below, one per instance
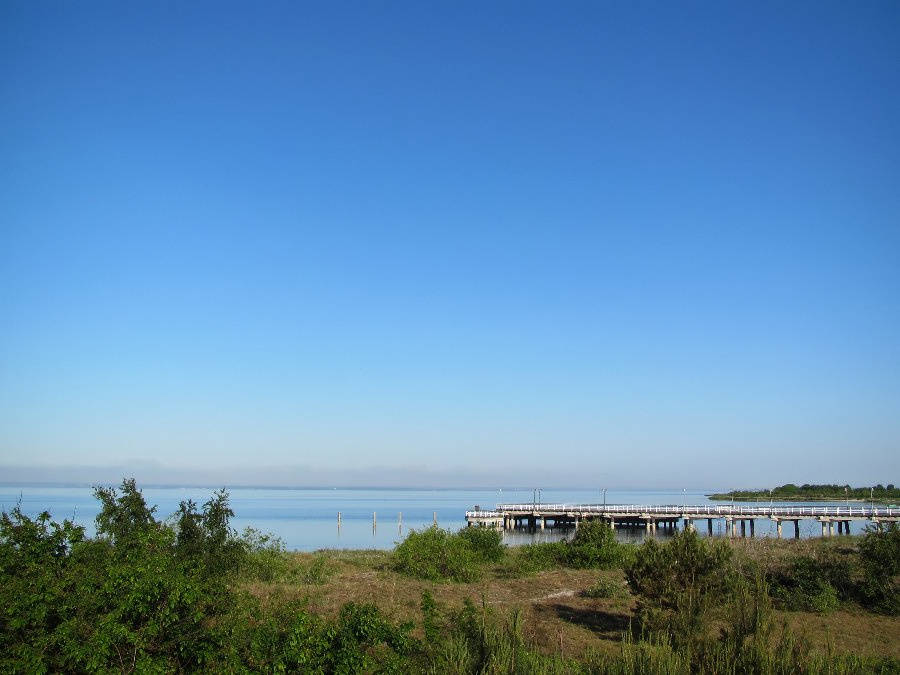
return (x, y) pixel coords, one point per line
(435, 518)
(400, 522)
(339, 521)
(374, 520)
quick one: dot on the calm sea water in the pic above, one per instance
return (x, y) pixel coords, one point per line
(307, 519)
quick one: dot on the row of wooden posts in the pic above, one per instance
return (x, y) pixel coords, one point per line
(399, 520)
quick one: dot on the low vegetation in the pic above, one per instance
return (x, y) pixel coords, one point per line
(192, 595)
(810, 493)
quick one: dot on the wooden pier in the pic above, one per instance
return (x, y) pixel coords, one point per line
(651, 517)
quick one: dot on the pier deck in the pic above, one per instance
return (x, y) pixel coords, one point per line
(650, 517)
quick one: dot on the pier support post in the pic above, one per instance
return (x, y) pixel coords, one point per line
(778, 527)
(709, 526)
(752, 528)
(796, 529)
(824, 529)
(743, 528)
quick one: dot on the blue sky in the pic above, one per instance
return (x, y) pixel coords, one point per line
(506, 243)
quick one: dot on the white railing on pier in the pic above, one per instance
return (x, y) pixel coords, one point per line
(702, 511)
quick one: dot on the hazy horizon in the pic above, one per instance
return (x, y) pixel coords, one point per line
(378, 478)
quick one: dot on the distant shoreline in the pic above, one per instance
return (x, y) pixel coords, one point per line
(814, 493)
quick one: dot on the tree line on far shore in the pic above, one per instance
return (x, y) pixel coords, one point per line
(810, 492)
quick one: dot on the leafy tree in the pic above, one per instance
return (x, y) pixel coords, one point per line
(35, 590)
(207, 539)
(124, 519)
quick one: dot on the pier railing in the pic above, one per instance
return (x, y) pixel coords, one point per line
(702, 511)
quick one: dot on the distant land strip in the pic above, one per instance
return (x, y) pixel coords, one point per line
(815, 493)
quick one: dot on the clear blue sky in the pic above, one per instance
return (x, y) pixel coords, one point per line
(627, 244)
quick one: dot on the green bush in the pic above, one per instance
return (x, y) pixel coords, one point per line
(594, 546)
(206, 538)
(533, 558)
(265, 557)
(287, 638)
(436, 555)
(485, 542)
(805, 586)
(606, 588)
(879, 553)
(679, 583)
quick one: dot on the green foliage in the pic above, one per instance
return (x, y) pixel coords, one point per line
(430, 618)
(265, 556)
(485, 542)
(679, 583)
(124, 519)
(606, 588)
(34, 589)
(540, 557)
(805, 586)
(206, 538)
(807, 492)
(288, 638)
(658, 656)
(142, 597)
(436, 555)
(594, 547)
(477, 641)
(879, 553)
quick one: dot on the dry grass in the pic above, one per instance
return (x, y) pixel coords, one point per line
(557, 619)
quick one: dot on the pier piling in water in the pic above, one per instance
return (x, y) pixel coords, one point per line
(652, 517)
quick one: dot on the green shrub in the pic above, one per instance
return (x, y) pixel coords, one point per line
(265, 556)
(286, 637)
(594, 546)
(436, 555)
(539, 557)
(679, 583)
(206, 538)
(606, 588)
(879, 553)
(806, 587)
(485, 542)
